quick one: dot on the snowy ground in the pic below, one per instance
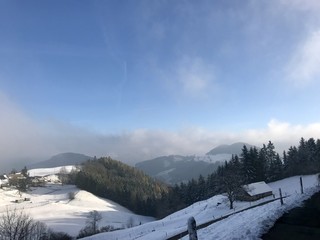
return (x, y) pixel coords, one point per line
(249, 224)
(51, 205)
(41, 172)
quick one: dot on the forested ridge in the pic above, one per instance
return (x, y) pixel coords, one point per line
(253, 165)
(140, 193)
(121, 183)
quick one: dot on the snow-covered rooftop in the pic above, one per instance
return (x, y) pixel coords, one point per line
(257, 188)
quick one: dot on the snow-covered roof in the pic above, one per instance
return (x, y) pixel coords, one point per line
(257, 188)
(3, 177)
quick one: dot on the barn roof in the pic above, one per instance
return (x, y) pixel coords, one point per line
(257, 188)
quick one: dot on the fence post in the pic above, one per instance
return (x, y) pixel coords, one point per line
(281, 199)
(301, 185)
(192, 229)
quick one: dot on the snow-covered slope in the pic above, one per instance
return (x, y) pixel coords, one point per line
(49, 171)
(222, 157)
(249, 224)
(52, 205)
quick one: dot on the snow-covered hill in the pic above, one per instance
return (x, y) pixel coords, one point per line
(52, 205)
(249, 224)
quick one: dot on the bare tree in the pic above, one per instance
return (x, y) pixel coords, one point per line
(63, 175)
(39, 231)
(231, 182)
(92, 226)
(16, 225)
(231, 185)
(93, 219)
(130, 222)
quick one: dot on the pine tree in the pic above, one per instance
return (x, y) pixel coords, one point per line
(202, 190)
(285, 164)
(311, 148)
(270, 161)
(302, 155)
(246, 165)
(317, 158)
(278, 168)
(293, 161)
(255, 165)
(262, 165)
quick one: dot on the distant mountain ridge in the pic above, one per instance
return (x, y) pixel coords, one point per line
(62, 159)
(235, 148)
(176, 168)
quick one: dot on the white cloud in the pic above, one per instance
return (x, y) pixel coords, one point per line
(24, 138)
(304, 66)
(195, 77)
(282, 134)
(145, 144)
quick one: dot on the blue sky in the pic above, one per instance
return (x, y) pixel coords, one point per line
(161, 77)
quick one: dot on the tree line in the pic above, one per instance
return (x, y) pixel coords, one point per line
(253, 165)
(121, 183)
(140, 193)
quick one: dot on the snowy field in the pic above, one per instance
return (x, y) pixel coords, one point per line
(51, 205)
(249, 224)
(41, 172)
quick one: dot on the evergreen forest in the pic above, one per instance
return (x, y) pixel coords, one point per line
(121, 183)
(140, 193)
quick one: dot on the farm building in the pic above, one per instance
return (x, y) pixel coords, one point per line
(3, 180)
(255, 191)
(37, 181)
